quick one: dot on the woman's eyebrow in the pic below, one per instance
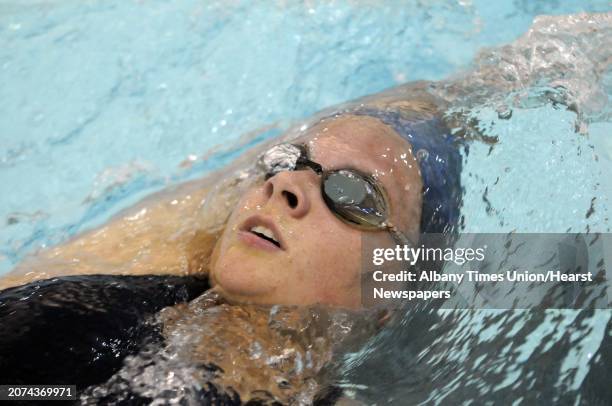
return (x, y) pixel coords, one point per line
(350, 166)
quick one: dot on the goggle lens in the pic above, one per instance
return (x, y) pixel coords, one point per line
(280, 158)
(355, 198)
(343, 187)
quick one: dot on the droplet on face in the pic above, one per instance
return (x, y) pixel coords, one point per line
(422, 154)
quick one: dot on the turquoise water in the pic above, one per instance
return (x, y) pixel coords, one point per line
(102, 102)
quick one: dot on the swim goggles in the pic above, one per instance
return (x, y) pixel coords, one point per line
(354, 197)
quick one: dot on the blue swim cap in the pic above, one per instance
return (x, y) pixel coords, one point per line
(437, 152)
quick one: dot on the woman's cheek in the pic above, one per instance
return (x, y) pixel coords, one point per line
(239, 271)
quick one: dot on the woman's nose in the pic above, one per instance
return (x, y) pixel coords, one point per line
(288, 190)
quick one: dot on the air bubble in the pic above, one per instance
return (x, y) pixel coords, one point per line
(504, 112)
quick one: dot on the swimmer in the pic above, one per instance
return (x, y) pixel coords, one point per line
(287, 241)
(384, 167)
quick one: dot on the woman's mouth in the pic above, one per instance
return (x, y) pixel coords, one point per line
(265, 233)
(260, 232)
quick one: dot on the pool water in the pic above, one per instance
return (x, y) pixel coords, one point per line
(104, 102)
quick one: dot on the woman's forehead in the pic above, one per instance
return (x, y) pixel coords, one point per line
(359, 142)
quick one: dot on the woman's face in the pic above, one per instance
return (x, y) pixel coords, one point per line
(319, 258)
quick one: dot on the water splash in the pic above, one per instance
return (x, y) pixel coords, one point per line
(563, 60)
(269, 354)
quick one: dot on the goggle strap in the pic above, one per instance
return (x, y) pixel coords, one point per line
(303, 161)
(398, 236)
